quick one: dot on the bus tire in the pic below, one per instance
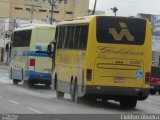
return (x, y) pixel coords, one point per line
(55, 82)
(152, 92)
(48, 84)
(22, 79)
(15, 81)
(31, 83)
(10, 74)
(74, 91)
(128, 103)
(59, 95)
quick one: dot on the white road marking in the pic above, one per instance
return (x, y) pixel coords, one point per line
(34, 110)
(13, 102)
(56, 119)
(39, 93)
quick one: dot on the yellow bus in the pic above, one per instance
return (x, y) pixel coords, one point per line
(103, 56)
(29, 62)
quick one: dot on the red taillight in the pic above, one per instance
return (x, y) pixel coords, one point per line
(89, 75)
(97, 17)
(147, 77)
(32, 62)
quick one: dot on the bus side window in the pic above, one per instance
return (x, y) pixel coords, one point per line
(84, 36)
(70, 35)
(77, 36)
(60, 38)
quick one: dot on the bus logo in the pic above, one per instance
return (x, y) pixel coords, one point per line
(124, 32)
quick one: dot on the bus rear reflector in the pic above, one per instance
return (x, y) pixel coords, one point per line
(89, 75)
(32, 62)
(147, 77)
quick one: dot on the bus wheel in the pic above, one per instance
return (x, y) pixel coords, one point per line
(74, 91)
(152, 92)
(59, 94)
(47, 84)
(128, 103)
(15, 81)
(55, 82)
(30, 83)
(22, 78)
(10, 74)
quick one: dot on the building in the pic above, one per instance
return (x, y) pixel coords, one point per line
(63, 9)
(15, 12)
(41, 10)
(155, 22)
(143, 15)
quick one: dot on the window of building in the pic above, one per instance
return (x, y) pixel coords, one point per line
(40, 10)
(54, 11)
(69, 12)
(28, 8)
(18, 8)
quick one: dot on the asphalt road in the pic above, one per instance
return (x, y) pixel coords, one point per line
(39, 100)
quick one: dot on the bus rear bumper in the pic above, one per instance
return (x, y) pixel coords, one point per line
(139, 93)
(39, 76)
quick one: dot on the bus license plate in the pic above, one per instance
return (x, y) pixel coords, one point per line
(152, 87)
(118, 80)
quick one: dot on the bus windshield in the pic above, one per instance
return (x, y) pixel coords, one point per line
(121, 30)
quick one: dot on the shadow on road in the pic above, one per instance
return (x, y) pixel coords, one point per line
(41, 86)
(110, 104)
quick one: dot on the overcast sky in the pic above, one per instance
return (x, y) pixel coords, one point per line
(128, 7)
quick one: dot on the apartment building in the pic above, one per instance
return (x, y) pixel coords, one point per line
(13, 11)
(63, 9)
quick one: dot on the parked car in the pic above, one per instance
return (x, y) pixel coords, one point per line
(155, 80)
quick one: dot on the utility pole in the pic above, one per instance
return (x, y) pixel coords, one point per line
(52, 3)
(32, 10)
(94, 9)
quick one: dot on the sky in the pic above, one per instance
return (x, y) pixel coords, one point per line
(128, 7)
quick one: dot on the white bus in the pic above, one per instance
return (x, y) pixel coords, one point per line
(28, 62)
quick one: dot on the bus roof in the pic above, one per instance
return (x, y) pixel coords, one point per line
(33, 26)
(87, 19)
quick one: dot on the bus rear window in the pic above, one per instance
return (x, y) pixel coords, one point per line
(121, 30)
(21, 38)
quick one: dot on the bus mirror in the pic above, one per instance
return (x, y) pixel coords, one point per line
(49, 48)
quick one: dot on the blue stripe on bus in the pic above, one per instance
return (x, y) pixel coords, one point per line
(30, 53)
(39, 76)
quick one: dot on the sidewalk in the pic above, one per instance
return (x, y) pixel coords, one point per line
(1, 63)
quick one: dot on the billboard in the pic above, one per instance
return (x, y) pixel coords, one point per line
(155, 21)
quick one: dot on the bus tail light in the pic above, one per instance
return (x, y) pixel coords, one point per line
(89, 75)
(32, 64)
(147, 77)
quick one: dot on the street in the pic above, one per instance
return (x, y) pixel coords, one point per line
(18, 99)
